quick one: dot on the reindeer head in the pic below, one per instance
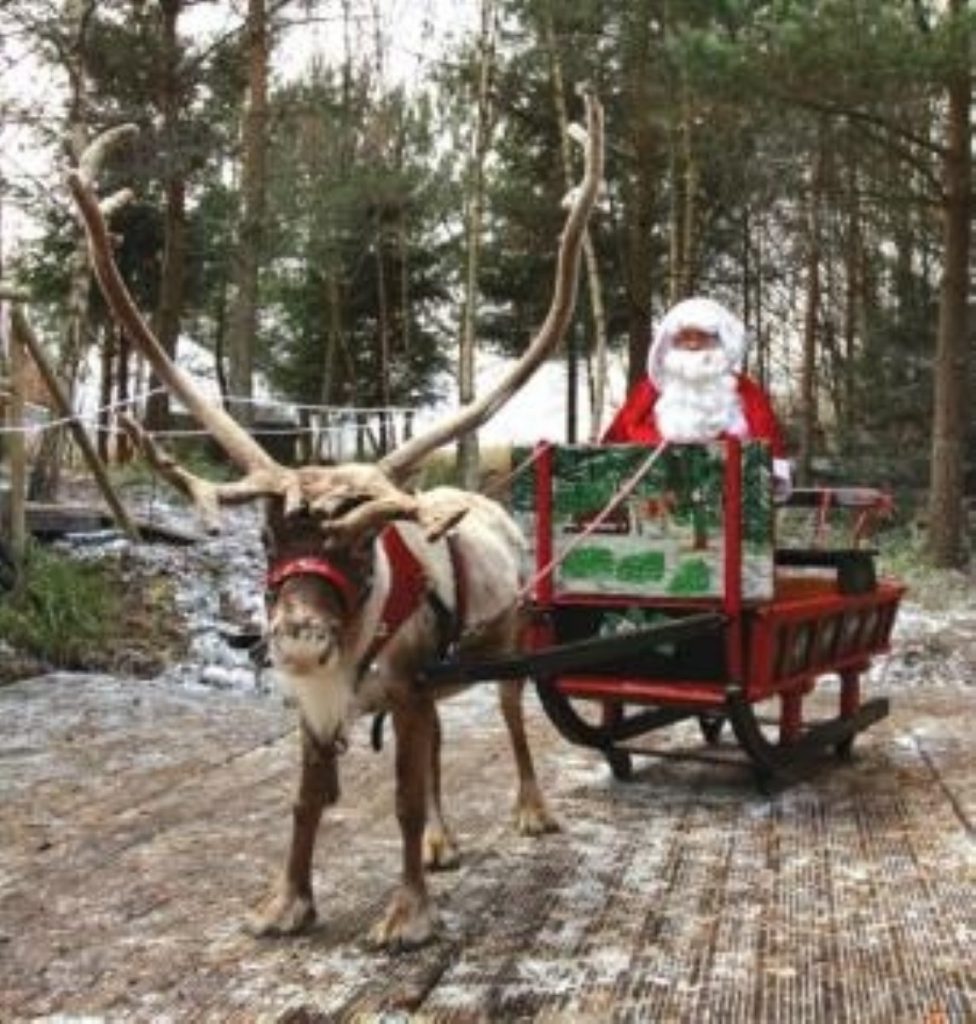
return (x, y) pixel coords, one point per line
(321, 520)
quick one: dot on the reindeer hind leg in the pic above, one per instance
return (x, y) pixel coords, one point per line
(532, 816)
(440, 847)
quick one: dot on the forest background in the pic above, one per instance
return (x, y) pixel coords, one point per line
(351, 231)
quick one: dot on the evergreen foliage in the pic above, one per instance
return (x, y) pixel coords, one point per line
(361, 257)
(765, 152)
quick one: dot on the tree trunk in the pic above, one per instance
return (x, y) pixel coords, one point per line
(808, 388)
(332, 390)
(77, 339)
(242, 330)
(467, 449)
(171, 284)
(105, 389)
(684, 192)
(403, 258)
(638, 194)
(853, 305)
(758, 314)
(123, 445)
(15, 448)
(951, 413)
(329, 392)
(173, 273)
(383, 339)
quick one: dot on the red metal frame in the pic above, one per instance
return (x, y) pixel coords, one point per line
(732, 583)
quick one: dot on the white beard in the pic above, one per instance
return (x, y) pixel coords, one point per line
(699, 397)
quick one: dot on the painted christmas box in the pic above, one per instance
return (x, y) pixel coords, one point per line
(667, 538)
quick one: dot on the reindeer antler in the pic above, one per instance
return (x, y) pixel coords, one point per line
(264, 476)
(350, 500)
(399, 462)
(246, 453)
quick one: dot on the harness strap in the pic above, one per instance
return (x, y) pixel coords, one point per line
(449, 624)
(408, 587)
(458, 569)
(314, 567)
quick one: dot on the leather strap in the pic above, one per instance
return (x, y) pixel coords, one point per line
(312, 566)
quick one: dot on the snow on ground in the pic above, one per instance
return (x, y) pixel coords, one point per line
(143, 825)
(219, 592)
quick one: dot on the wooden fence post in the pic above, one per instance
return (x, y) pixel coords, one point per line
(17, 449)
(23, 332)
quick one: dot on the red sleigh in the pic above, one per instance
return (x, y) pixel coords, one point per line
(715, 658)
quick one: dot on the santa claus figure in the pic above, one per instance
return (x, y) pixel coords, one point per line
(695, 389)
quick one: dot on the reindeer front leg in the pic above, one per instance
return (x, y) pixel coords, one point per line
(290, 907)
(409, 919)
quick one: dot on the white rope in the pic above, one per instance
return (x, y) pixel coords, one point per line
(92, 420)
(623, 492)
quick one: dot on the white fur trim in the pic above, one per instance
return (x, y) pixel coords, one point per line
(706, 315)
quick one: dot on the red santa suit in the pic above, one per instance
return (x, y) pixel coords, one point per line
(699, 396)
(635, 421)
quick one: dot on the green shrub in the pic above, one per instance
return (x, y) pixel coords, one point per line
(65, 609)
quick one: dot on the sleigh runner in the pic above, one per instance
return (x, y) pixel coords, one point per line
(676, 604)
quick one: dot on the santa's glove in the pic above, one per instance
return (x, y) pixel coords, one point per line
(782, 480)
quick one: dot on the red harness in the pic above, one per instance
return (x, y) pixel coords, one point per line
(408, 589)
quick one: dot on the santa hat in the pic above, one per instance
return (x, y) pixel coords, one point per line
(703, 315)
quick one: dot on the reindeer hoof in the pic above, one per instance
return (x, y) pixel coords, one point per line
(281, 914)
(409, 922)
(534, 820)
(440, 851)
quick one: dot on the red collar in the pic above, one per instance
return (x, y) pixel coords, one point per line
(312, 566)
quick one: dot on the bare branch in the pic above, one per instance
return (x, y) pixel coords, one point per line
(884, 124)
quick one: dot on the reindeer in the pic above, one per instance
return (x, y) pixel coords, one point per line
(367, 583)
